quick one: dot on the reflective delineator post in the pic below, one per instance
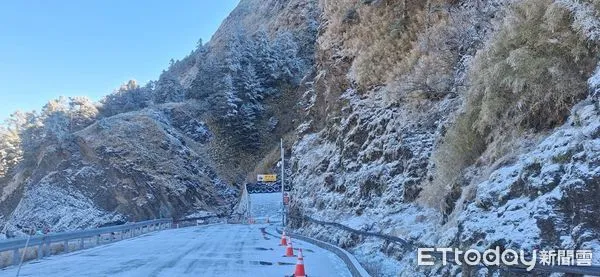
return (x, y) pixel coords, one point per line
(282, 184)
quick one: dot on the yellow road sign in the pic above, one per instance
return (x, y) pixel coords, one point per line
(266, 178)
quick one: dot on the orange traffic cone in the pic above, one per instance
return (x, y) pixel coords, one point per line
(283, 239)
(289, 250)
(299, 272)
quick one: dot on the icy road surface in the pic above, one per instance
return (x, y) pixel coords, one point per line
(216, 250)
(265, 205)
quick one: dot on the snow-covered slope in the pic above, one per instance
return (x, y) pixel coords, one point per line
(547, 197)
(134, 166)
(364, 157)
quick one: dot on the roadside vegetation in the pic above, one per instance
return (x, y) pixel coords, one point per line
(525, 80)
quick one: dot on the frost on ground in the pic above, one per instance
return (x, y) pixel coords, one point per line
(64, 208)
(548, 199)
(366, 172)
(216, 250)
(266, 205)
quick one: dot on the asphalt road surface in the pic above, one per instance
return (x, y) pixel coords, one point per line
(215, 250)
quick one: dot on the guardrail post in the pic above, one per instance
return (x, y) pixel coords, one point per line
(98, 240)
(42, 249)
(47, 249)
(122, 235)
(16, 257)
(81, 243)
(66, 246)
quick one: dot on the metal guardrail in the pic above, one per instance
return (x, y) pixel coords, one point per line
(43, 242)
(593, 270)
(262, 187)
(400, 241)
(194, 221)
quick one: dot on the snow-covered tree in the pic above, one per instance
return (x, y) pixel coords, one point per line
(237, 77)
(229, 108)
(288, 64)
(264, 62)
(10, 149)
(210, 72)
(129, 97)
(168, 89)
(56, 120)
(82, 112)
(250, 84)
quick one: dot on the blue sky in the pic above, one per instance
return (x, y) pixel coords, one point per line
(88, 48)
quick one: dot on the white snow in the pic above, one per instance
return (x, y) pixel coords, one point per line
(266, 205)
(585, 19)
(213, 250)
(61, 207)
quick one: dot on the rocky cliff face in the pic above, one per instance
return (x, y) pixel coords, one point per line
(130, 167)
(545, 198)
(370, 151)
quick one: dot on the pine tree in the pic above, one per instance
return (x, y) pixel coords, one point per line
(168, 89)
(56, 120)
(129, 97)
(288, 64)
(10, 150)
(82, 112)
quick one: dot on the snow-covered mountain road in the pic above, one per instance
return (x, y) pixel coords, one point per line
(215, 250)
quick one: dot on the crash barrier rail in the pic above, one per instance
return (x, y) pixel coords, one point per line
(593, 270)
(194, 221)
(43, 243)
(351, 262)
(266, 187)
